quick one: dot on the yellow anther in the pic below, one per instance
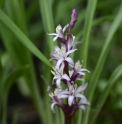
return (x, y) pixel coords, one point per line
(58, 28)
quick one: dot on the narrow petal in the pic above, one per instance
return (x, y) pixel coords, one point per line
(82, 88)
(60, 34)
(65, 76)
(81, 96)
(81, 73)
(56, 48)
(52, 106)
(55, 56)
(62, 96)
(58, 82)
(83, 107)
(84, 70)
(70, 51)
(59, 63)
(55, 38)
(70, 41)
(65, 27)
(70, 100)
(63, 92)
(80, 79)
(84, 102)
(52, 34)
(75, 43)
(69, 60)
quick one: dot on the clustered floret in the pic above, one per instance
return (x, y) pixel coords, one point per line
(67, 72)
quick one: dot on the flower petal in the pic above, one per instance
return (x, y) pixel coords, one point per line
(70, 100)
(52, 34)
(75, 43)
(83, 107)
(70, 41)
(68, 59)
(84, 102)
(62, 96)
(55, 56)
(81, 73)
(70, 51)
(52, 106)
(80, 79)
(59, 63)
(81, 96)
(56, 48)
(58, 82)
(65, 76)
(65, 27)
(84, 70)
(63, 92)
(55, 38)
(82, 88)
(60, 34)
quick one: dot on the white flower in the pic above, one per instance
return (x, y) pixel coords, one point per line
(72, 93)
(59, 32)
(58, 76)
(61, 55)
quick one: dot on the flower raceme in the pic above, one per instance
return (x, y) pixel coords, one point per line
(67, 72)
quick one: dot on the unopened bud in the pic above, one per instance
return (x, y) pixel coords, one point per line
(73, 18)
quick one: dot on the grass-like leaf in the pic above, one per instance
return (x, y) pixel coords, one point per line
(22, 37)
(87, 28)
(116, 74)
(14, 76)
(101, 60)
(10, 80)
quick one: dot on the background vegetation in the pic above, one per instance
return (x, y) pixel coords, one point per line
(25, 52)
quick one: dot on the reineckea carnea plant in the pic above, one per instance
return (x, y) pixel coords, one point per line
(67, 72)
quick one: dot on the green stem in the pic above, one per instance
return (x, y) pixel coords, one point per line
(4, 109)
(100, 63)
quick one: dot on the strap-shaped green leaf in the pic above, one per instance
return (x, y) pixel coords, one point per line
(22, 37)
(116, 74)
(14, 76)
(101, 60)
(7, 85)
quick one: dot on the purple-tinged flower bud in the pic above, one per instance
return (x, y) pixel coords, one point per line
(73, 18)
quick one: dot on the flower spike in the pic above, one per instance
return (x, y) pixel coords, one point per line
(67, 72)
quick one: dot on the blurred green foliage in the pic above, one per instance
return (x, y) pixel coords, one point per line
(25, 50)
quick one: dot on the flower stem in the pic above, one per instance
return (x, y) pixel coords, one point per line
(68, 119)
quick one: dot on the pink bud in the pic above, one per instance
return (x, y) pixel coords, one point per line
(73, 18)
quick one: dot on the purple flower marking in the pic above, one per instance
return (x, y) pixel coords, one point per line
(59, 32)
(61, 55)
(73, 18)
(55, 99)
(72, 93)
(78, 72)
(70, 41)
(59, 76)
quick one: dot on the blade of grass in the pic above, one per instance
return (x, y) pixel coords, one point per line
(1, 3)
(7, 85)
(87, 28)
(47, 18)
(116, 74)
(33, 7)
(33, 86)
(1, 68)
(21, 36)
(101, 60)
(15, 117)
